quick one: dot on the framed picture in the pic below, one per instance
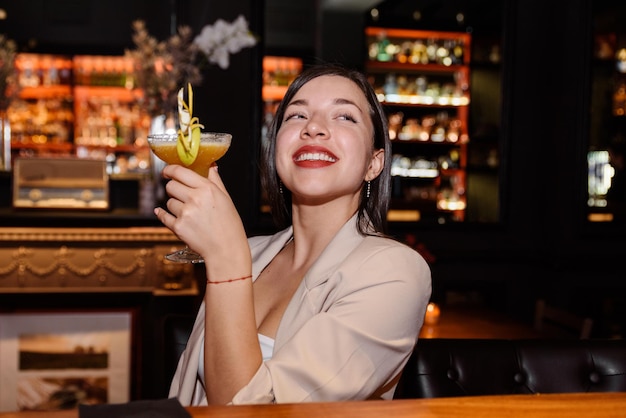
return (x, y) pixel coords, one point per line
(53, 360)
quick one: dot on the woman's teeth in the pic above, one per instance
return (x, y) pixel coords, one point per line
(315, 156)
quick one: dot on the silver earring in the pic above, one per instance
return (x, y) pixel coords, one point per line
(280, 187)
(367, 191)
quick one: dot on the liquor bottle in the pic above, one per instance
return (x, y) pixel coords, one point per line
(383, 48)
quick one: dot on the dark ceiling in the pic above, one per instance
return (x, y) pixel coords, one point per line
(453, 15)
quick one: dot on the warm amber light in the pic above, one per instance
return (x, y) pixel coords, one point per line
(432, 314)
(398, 215)
(600, 217)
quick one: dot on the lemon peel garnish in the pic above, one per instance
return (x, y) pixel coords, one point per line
(188, 142)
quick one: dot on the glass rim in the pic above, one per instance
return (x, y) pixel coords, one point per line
(204, 136)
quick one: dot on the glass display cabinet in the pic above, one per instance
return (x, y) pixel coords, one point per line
(422, 79)
(606, 157)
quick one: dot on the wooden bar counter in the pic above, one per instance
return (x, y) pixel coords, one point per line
(588, 405)
(476, 322)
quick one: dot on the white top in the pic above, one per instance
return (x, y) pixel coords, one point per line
(267, 349)
(267, 346)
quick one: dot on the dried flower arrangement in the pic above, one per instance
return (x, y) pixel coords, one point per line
(8, 82)
(161, 67)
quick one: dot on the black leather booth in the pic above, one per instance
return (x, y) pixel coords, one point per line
(467, 367)
(176, 331)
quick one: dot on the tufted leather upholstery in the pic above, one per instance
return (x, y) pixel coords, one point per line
(176, 331)
(467, 367)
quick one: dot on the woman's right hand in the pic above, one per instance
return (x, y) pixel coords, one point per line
(202, 214)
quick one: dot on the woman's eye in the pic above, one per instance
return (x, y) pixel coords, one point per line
(294, 116)
(347, 116)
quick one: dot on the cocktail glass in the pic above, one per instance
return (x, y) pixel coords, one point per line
(213, 146)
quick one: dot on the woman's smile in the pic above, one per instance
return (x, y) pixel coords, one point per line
(310, 156)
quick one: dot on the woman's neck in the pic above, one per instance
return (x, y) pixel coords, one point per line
(314, 228)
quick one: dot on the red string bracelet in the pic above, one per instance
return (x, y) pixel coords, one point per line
(229, 280)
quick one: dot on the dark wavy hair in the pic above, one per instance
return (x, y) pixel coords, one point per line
(372, 212)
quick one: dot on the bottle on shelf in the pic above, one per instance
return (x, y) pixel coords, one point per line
(82, 106)
(422, 78)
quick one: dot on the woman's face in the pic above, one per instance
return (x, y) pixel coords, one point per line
(324, 145)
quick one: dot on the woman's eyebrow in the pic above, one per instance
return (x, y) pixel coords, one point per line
(338, 101)
(298, 102)
(342, 101)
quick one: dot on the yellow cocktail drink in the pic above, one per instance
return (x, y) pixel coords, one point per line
(192, 148)
(212, 147)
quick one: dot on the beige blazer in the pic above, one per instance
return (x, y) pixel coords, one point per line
(346, 333)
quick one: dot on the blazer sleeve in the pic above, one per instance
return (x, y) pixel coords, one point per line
(348, 336)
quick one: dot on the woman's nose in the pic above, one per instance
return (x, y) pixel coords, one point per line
(314, 128)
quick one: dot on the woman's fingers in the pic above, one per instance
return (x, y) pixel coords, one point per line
(183, 175)
(186, 177)
(215, 178)
(165, 217)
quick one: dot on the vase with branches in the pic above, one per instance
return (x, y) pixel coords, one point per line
(162, 67)
(8, 91)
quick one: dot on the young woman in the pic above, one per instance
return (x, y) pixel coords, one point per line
(329, 308)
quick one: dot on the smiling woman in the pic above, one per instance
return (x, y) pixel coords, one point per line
(324, 287)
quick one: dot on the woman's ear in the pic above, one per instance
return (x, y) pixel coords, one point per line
(376, 165)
